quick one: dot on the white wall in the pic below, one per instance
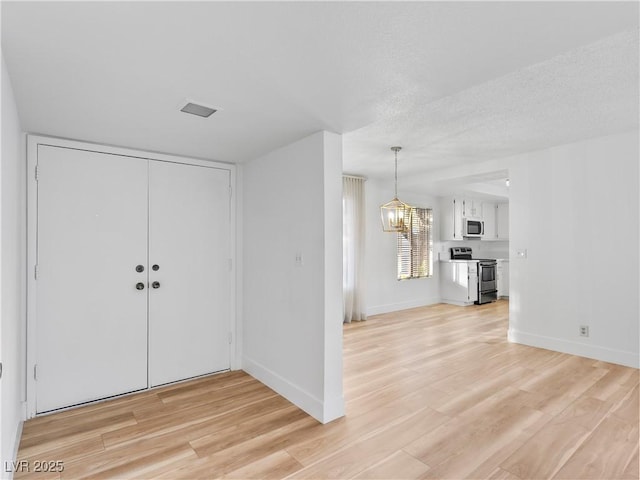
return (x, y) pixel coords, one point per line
(12, 265)
(575, 209)
(333, 406)
(292, 314)
(384, 293)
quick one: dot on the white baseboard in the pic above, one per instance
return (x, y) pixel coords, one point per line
(620, 357)
(457, 303)
(315, 407)
(394, 307)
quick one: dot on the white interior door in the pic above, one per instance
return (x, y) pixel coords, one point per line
(189, 240)
(91, 330)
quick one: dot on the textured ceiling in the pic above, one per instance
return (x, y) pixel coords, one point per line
(586, 92)
(452, 83)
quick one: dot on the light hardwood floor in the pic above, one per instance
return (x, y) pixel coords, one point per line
(432, 392)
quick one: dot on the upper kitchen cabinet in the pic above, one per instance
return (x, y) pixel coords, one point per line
(471, 207)
(455, 209)
(451, 218)
(502, 221)
(489, 216)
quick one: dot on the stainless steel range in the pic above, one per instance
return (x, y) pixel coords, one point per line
(487, 284)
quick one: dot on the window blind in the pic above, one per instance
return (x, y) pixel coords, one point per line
(415, 247)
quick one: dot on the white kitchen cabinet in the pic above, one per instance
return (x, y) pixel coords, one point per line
(489, 217)
(459, 282)
(502, 277)
(454, 209)
(502, 221)
(450, 218)
(471, 207)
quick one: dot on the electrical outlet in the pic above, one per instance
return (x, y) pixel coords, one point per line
(584, 331)
(299, 260)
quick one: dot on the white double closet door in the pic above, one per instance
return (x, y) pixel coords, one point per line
(102, 329)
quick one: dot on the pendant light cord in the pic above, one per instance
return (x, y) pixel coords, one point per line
(396, 176)
(396, 150)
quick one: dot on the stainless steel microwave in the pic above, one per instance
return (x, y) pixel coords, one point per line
(472, 227)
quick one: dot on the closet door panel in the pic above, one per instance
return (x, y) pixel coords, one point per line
(91, 320)
(189, 240)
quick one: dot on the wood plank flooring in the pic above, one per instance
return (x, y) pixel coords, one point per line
(434, 392)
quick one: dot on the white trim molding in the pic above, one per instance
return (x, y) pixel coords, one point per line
(295, 394)
(620, 357)
(394, 307)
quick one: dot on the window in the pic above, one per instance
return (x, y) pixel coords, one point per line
(415, 247)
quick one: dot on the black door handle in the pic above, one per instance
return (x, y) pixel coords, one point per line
(139, 268)
(155, 284)
(156, 267)
(139, 286)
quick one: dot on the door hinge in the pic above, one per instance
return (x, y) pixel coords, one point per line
(230, 338)
(36, 271)
(35, 372)
(37, 172)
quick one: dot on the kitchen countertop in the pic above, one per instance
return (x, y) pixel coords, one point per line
(457, 261)
(474, 260)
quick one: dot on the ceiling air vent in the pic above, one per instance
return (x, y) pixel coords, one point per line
(197, 109)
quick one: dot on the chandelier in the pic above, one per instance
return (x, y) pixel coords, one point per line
(395, 215)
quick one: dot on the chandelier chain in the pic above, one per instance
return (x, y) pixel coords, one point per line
(396, 150)
(396, 176)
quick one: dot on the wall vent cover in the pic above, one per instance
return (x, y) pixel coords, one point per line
(197, 109)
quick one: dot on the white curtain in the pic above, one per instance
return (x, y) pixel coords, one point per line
(353, 228)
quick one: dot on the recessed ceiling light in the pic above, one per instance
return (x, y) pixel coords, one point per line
(198, 109)
(506, 182)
